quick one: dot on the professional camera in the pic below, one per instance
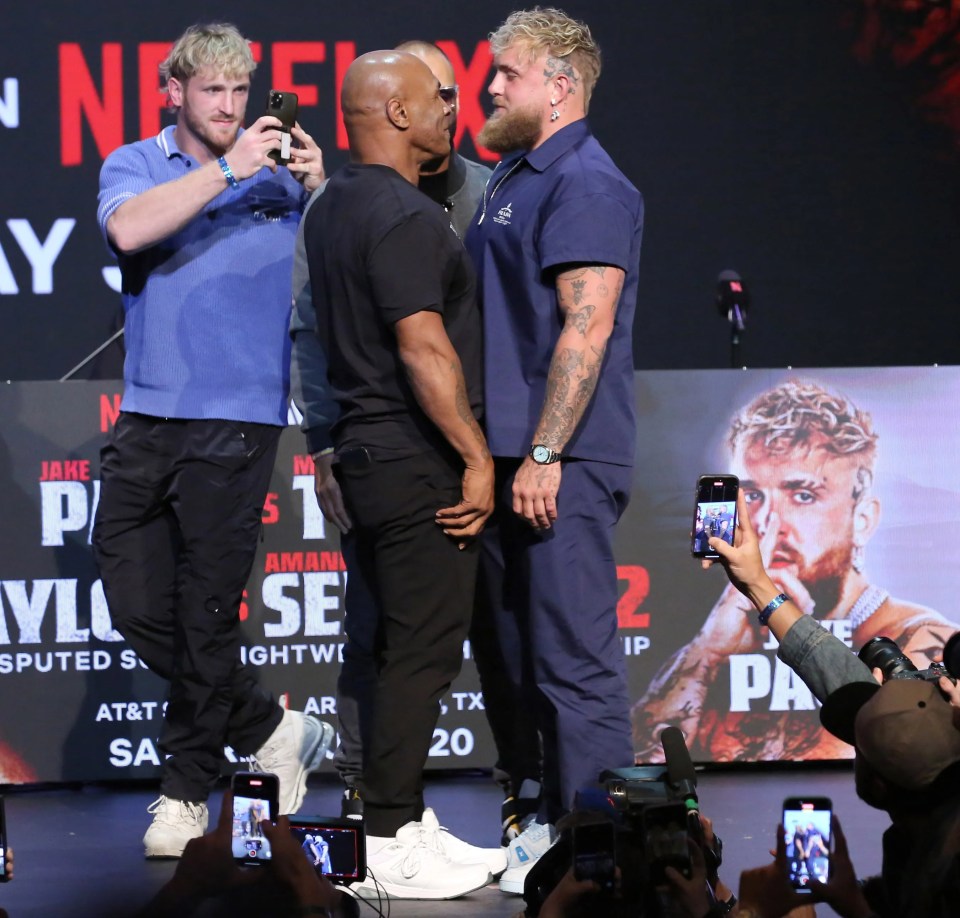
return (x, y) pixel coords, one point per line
(638, 819)
(884, 654)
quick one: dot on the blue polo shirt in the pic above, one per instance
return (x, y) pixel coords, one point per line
(207, 309)
(563, 203)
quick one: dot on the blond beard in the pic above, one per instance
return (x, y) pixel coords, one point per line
(516, 130)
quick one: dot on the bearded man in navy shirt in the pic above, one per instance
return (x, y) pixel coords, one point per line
(556, 243)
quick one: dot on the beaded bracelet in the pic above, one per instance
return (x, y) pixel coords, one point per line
(772, 607)
(228, 174)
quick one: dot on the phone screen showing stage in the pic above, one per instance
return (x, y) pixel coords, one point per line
(334, 848)
(806, 824)
(714, 514)
(248, 841)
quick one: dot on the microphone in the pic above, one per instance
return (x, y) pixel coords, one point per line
(733, 298)
(682, 779)
(681, 775)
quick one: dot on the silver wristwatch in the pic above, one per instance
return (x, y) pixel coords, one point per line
(543, 455)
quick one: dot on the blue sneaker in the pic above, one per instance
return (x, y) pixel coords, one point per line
(523, 852)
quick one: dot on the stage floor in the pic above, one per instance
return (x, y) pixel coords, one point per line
(79, 855)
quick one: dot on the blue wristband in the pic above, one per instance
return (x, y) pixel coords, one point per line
(772, 607)
(228, 174)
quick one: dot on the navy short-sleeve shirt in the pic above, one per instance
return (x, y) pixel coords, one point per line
(563, 203)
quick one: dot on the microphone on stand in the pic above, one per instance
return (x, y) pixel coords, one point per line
(733, 302)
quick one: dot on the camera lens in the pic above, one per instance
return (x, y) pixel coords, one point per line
(951, 655)
(881, 652)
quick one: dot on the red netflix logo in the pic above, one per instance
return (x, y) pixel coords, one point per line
(92, 88)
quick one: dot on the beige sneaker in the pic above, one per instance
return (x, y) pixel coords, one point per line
(294, 749)
(175, 822)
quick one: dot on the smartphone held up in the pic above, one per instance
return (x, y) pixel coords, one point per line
(255, 797)
(595, 853)
(807, 824)
(714, 513)
(282, 105)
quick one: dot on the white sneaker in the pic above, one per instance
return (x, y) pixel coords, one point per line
(460, 852)
(293, 750)
(523, 852)
(407, 867)
(175, 822)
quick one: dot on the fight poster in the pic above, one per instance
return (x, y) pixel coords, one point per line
(850, 477)
(851, 485)
(77, 703)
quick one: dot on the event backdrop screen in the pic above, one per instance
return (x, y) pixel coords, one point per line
(78, 705)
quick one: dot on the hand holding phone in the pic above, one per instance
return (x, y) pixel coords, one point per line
(282, 105)
(665, 841)
(806, 825)
(714, 513)
(595, 853)
(255, 796)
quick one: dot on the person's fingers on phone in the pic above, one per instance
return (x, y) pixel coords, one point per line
(225, 820)
(839, 839)
(780, 852)
(691, 891)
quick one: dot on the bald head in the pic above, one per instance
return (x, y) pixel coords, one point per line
(392, 109)
(371, 80)
(433, 57)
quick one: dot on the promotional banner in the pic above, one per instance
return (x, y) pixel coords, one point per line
(850, 484)
(77, 702)
(848, 476)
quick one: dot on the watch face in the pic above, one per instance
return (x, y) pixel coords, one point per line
(540, 454)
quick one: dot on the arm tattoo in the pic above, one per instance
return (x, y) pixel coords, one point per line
(578, 286)
(558, 417)
(579, 320)
(570, 374)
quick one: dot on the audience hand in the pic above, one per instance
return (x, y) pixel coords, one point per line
(765, 892)
(291, 868)
(692, 895)
(566, 894)
(841, 892)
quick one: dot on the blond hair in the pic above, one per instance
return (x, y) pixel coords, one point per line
(216, 46)
(552, 31)
(799, 415)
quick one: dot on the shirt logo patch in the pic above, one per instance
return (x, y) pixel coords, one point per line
(504, 214)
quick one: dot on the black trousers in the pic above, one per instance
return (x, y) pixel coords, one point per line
(422, 586)
(175, 538)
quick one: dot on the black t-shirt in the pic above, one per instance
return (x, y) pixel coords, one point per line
(378, 251)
